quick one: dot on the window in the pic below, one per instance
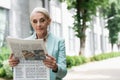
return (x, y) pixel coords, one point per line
(56, 25)
(90, 41)
(101, 42)
(56, 29)
(4, 31)
(71, 39)
(96, 41)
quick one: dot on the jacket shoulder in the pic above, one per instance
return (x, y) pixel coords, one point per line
(56, 38)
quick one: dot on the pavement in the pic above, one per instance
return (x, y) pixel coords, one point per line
(108, 69)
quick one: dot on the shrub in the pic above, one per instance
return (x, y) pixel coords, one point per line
(2, 72)
(70, 61)
(84, 59)
(104, 56)
(5, 70)
(8, 69)
(1, 64)
(77, 60)
(4, 53)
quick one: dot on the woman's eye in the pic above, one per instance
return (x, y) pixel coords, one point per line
(34, 21)
(42, 20)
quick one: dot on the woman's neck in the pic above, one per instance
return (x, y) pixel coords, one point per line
(41, 35)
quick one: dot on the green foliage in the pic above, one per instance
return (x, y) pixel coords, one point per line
(4, 50)
(1, 64)
(113, 23)
(85, 9)
(75, 60)
(104, 56)
(2, 72)
(78, 60)
(3, 57)
(4, 54)
(5, 69)
(89, 5)
(8, 69)
(70, 61)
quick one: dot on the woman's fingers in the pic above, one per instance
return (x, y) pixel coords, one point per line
(50, 57)
(13, 61)
(50, 62)
(11, 56)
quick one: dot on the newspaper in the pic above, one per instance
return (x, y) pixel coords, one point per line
(31, 54)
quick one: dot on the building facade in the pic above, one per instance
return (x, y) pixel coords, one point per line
(15, 22)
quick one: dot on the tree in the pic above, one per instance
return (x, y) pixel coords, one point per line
(113, 23)
(85, 9)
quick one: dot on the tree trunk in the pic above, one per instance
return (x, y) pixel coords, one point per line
(82, 46)
(111, 46)
(81, 13)
(118, 45)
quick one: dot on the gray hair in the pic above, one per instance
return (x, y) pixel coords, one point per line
(41, 10)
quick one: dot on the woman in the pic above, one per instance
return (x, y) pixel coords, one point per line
(55, 58)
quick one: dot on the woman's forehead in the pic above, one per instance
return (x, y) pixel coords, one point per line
(38, 15)
(42, 10)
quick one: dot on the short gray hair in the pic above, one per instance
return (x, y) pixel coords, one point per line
(41, 10)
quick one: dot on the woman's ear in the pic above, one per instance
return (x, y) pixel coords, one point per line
(49, 21)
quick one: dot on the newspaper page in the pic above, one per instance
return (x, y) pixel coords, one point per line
(31, 54)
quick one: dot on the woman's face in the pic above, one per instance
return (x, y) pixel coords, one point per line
(40, 22)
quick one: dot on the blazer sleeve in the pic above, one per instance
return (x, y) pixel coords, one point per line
(61, 60)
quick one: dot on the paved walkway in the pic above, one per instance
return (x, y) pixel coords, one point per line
(100, 70)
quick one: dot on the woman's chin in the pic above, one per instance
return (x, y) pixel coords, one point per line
(39, 31)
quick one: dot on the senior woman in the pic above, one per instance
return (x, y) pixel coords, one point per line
(56, 57)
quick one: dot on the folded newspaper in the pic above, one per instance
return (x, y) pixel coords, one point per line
(31, 54)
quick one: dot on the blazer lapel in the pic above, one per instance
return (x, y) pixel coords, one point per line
(50, 44)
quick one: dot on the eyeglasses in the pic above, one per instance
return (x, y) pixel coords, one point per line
(42, 20)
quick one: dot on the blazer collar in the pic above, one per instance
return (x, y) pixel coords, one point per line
(50, 44)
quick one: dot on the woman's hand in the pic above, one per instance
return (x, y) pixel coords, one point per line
(13, 61)
(50, 62)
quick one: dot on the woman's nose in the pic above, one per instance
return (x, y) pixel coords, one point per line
(38, 23)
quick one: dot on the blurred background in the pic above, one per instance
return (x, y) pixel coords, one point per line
(90, 28)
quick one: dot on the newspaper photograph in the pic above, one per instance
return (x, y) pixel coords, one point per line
(31, 54)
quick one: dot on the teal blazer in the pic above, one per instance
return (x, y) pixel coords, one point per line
(56, 48)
